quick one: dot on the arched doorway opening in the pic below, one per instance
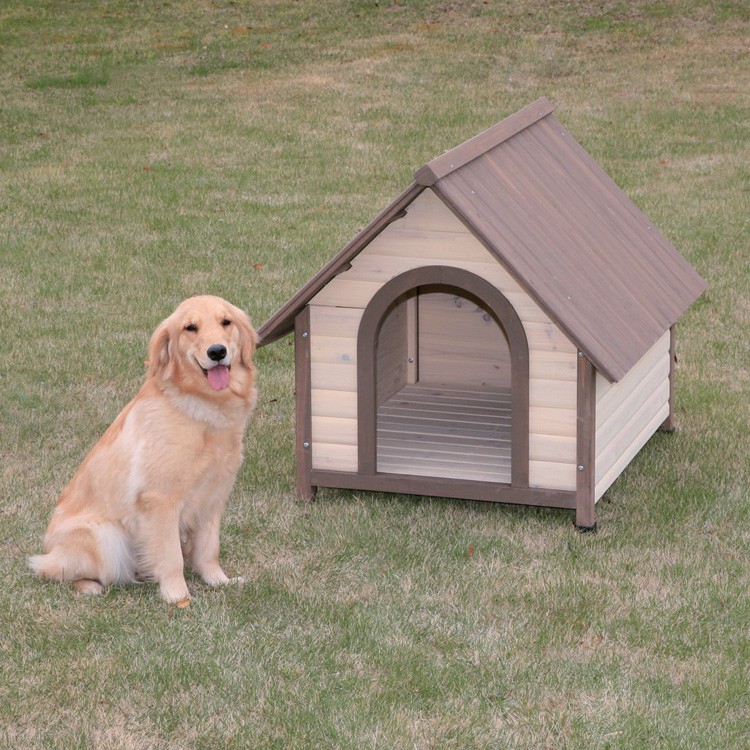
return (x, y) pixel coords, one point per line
(443, 380)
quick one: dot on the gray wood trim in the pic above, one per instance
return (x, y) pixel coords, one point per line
(586, 444)
(303, 396)
(282, 321)
(367, 370)
(404, 484)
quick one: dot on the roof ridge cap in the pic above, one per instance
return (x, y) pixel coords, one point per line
(461, 155)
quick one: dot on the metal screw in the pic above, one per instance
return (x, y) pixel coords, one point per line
(305, 445)
(304, 335)
(580, 467)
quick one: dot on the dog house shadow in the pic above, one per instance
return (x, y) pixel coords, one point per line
(503, 330)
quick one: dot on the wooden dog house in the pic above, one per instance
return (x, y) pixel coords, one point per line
(503, 330)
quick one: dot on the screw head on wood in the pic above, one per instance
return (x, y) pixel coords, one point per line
(580, 467)
(305, 445)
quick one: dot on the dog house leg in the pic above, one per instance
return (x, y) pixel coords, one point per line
(586, 453)
(303, 447)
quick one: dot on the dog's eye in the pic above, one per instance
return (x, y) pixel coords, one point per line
(191, 327)
(226, 322)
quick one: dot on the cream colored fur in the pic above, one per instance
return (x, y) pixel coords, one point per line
(151, 494)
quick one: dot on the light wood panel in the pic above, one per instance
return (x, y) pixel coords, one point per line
(460, 342)
(634, 445)
(333, 457)
(609, 395)
(655, 380)
(335, 321)
(334, 377)
(427, 211)
(326, 403)
(337, 430)
(627, 413)
(560, 476)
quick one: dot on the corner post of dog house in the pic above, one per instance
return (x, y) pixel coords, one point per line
(668, 425)
(585, 445)
(303, 387)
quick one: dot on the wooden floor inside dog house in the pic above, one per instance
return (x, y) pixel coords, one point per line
(446, 431)
(450, 415)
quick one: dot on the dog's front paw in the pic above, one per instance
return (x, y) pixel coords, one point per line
(214, 576)
(174, 592)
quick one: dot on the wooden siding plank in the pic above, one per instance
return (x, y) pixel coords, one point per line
(334, 377)
(559, 394)
(551, 421)
(426, 245)
(342, 292)
(333, 349)
(552, 365)
(635, 445)
(326, 403)
(550, 475)
(333, 457)
(618, 391)
(334, 430)
(553, 448)
(629, 429)
(547, 337)
(656, 380)
(335, 321)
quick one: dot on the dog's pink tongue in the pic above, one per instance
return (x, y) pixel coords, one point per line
(218, 377)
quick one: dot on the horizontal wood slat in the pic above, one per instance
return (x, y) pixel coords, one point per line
(426, 432)
(636, 443)
(327, 403)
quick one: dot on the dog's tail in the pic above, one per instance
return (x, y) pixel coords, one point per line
(98, 553)
(62, 565)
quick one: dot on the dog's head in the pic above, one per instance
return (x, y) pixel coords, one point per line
(205, 346)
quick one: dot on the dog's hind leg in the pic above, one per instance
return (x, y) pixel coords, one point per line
(89, 557)
(69, 561)
(87, 586)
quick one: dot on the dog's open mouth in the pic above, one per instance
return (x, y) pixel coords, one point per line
(218, 376)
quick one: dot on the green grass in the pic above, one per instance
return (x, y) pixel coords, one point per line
(150, 151)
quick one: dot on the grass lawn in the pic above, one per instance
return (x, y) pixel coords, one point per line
(154, 150)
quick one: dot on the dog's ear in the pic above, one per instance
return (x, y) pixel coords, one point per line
(248, 337)
(159, 350)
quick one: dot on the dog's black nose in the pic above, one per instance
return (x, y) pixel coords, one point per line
(217, 352)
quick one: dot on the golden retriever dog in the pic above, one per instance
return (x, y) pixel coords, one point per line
(150, 495)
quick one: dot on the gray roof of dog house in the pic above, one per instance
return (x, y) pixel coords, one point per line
(553, 218)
